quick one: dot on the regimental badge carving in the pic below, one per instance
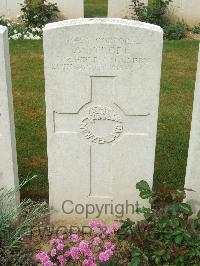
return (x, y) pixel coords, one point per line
(95, 119)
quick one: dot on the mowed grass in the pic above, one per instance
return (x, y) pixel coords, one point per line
(176, 98)
(95, 8)
(176, 103)
(29, 104)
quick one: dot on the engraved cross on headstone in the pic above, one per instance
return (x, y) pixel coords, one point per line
(102, 123)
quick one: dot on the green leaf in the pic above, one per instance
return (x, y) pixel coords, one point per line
(160, 252)
(171, 209)
(185, 208)
(145, 194)
(142, 185)
(136, 253)
(157, 260)
(175, 222)
(135, 262)
(146, 212)
(179, 239)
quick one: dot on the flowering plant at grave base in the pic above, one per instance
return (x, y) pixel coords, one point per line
(99, 248)
(166, 235)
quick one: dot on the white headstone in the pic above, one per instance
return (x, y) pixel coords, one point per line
(185, 10)
(10, 8)
(2, 7)
(121, 8)
(8, 157)
(102, 96)
(193, 165)
(70, 8)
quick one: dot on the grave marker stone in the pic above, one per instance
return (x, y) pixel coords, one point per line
(102, 96)
(121, 8)
(193, 164)
(70, 8)
(8, 157)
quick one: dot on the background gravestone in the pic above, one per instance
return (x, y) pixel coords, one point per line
(70, 8)
(178, 10)
(121, 8)
(193, 164)
(102, 96)
(8, 158)
(185, 10)
(10, 8)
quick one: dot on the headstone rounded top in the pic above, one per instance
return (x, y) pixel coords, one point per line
(2, 29)
(108, 21)
(102, 80)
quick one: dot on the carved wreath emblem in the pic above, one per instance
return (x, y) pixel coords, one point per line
(98, 113)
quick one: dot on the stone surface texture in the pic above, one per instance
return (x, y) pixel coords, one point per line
(10, 8)
(121, 8)
(189, 11)
(193, 165)
(102, 95)
(8, 157)
(179, 10)
(70, 8)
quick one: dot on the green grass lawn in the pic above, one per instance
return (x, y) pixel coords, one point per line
(176, 101)
(95, 8)
(178, 81)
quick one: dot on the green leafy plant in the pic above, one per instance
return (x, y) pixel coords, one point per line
(175, 31)
(196, 29)
(15, 224)
(17, 257)
(155, 12)
(37, 13)
(12, 26)
(19, 31)
(166, 235)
